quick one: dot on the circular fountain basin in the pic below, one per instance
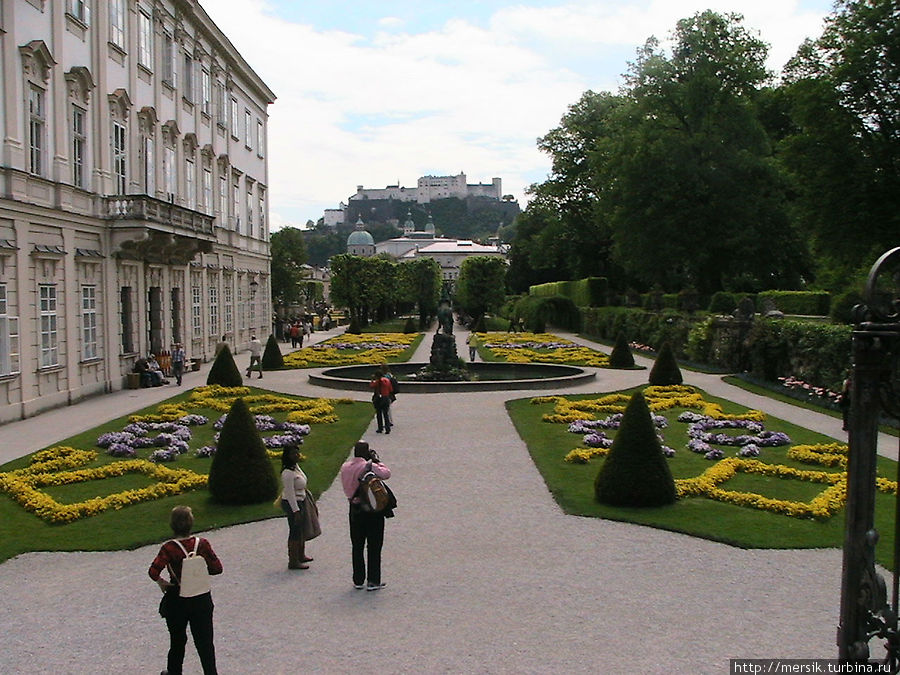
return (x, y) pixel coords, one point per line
(485, 377)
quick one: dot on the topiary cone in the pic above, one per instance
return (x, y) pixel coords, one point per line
(272, 359)
(241, 471)
(635, 472)
(621, 354)
(224, 370)
(665, 370)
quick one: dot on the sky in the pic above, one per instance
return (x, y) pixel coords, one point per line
(378, 93)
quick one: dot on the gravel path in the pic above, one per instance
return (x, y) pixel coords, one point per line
(485, 574)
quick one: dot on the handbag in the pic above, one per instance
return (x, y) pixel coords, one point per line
(167, 601)
(311, 526)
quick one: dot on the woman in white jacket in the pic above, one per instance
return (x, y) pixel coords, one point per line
(293, 501)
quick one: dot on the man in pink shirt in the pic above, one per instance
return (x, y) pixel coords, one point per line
(366, 527)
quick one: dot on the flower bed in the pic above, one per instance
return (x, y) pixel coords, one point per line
(164, 435)
(707, 433)
(349, 349)
(540, 348)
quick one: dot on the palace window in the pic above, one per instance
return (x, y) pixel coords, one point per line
(189, 185)
(145, 40)
(248, 129)
(223, 200)
(213, 308)
(205, 92)
(196, 309)
(119, 145)
(127, 323)
(79, 146)
(89, 321)
(36, 129)
(229, 306)
(117, 22)
(259, 138)
(9, 337)
(235, 120)
(169, 75)
(188, 91)
(49, 337)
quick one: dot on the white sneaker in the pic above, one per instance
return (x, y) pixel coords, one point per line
(359, 587)
(375, 587)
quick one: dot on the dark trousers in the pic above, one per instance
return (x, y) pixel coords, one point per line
(383, 412)
(198, 612)
(178, 370)
(295, 522)
(366, 536)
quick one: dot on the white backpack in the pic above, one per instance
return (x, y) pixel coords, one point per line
(194, 575)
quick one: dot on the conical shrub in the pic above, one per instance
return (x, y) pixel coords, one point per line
(621, 354)
(224, 370)
(635, 472)
(665, 370)
(241, 471)
(272, 359)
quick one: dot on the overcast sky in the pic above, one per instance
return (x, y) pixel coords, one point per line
(376, 93)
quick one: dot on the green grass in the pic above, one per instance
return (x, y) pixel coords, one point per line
(572, 487)
(326, 448)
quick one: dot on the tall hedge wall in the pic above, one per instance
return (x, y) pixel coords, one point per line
(589, 292)
(638, 325)
(815, 303)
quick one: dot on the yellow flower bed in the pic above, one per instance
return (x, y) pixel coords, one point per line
(60, 465)
(569, 352)
(832, 454)
(584, 455)
(325, 354)
(23, 484)
(823, 506)
(659, 398)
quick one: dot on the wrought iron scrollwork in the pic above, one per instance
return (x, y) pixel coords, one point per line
(866, 612)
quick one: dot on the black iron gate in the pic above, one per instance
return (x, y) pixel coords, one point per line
(866, 610)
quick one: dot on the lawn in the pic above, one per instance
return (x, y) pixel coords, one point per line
(325, 447)
(572, 484)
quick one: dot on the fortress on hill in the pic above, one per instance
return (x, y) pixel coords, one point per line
(428, 189)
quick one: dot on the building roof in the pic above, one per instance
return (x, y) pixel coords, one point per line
(360, 238)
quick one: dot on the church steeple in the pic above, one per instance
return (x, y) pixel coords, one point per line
(409, 226)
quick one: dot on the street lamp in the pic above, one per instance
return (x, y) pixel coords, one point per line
(254, 285)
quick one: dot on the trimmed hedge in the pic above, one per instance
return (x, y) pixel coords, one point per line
(588, 292)
(813, 303)
(665, 369)
(272, 358)
(224, 370)
(537, 311)
(649, 328)
(635, 472)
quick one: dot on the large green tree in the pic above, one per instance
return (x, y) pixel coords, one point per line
(420, 281)
(288, 251)
(367, 287)
(842, 93)
(481, 286)
(688, 181)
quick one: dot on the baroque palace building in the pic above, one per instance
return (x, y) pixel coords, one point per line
(133, 203)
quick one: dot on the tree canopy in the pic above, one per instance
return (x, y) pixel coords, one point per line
(288, 256)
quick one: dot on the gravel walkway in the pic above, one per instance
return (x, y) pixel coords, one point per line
(485, 574)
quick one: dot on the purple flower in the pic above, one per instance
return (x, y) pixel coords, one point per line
(715, 453)
(749, 450)
(206, 451)
(108, 439)
(597, 439)
(667, 451)
(121, 450)
(696, 445)
(136, 428)
(193, 420)
(163, 455)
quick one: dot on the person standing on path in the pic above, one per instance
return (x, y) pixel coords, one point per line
(293, 501)
(178, 362)
(366, 527)
(472, 342)
(197, 610)
(255, 356)
(381, 399)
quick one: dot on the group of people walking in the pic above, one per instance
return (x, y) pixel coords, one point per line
(188, 602)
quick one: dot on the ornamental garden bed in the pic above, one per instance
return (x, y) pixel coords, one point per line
(113, 487)
(538, 348)
(349, 349)
(745, 485)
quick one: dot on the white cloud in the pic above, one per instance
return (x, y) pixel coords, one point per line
(353, 110)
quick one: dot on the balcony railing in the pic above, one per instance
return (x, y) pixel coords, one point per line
(148, 210)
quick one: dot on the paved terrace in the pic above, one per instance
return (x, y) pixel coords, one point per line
(485, 573)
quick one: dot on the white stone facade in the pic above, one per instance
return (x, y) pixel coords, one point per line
(133, 204)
